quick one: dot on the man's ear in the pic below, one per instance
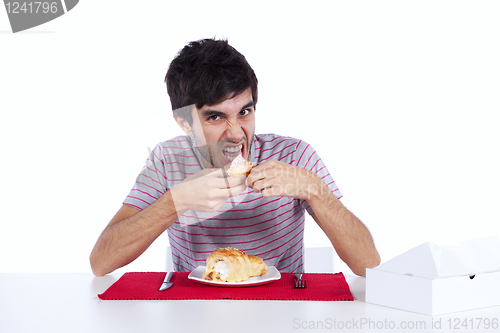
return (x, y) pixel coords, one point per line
(184, 124)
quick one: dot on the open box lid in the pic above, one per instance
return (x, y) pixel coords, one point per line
(431, 261)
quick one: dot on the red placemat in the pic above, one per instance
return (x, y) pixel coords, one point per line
(144, 286)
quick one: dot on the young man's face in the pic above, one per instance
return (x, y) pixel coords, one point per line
(225, 130)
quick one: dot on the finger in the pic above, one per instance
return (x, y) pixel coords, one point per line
(217, 173)
(230, 182)
(268, 164)
(255, 176)
(234, 191)
(220, 196)
(236, 181)
(250, 180)
(259, 185)
(267, 169)
(226, 194)
(222, 174)
(201, 173)
(273, 191)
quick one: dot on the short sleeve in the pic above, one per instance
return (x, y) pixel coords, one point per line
(151, 183)
(308, 158)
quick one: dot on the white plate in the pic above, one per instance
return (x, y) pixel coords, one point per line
(271, 275)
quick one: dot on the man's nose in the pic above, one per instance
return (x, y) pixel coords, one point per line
(234, 130)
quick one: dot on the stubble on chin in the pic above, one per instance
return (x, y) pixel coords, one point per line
(208, 152)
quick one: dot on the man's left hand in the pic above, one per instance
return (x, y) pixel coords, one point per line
(274, 178)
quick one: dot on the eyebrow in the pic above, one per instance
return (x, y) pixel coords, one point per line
(210, 112)
(248, 105)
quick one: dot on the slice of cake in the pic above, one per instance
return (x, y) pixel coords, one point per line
(239, 166)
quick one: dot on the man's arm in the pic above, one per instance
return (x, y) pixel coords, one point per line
(132, 231)
(350, 238)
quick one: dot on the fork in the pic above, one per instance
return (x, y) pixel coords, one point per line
(299, 283)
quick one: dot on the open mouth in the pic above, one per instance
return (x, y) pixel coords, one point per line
(231, 152)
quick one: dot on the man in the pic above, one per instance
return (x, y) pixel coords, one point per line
(183, 187)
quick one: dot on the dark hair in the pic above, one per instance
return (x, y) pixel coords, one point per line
(207, 72)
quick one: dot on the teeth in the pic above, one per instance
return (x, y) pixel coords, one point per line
(234, 149)
(230, 158)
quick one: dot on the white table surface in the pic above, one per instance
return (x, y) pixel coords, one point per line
(69, 303)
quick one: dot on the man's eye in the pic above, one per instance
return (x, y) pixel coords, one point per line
(214, 117)
(244, 112)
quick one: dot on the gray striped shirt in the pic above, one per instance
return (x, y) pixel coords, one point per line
(270, 228)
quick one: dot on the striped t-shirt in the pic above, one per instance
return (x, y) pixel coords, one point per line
(270, 228)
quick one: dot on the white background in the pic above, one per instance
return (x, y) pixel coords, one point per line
(399, 98)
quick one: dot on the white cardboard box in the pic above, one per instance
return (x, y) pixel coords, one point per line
(434, 280)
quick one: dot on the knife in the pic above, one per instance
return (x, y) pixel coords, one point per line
(166, 284)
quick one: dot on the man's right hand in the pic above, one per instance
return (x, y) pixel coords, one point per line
(131, 230)
(206, 191)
